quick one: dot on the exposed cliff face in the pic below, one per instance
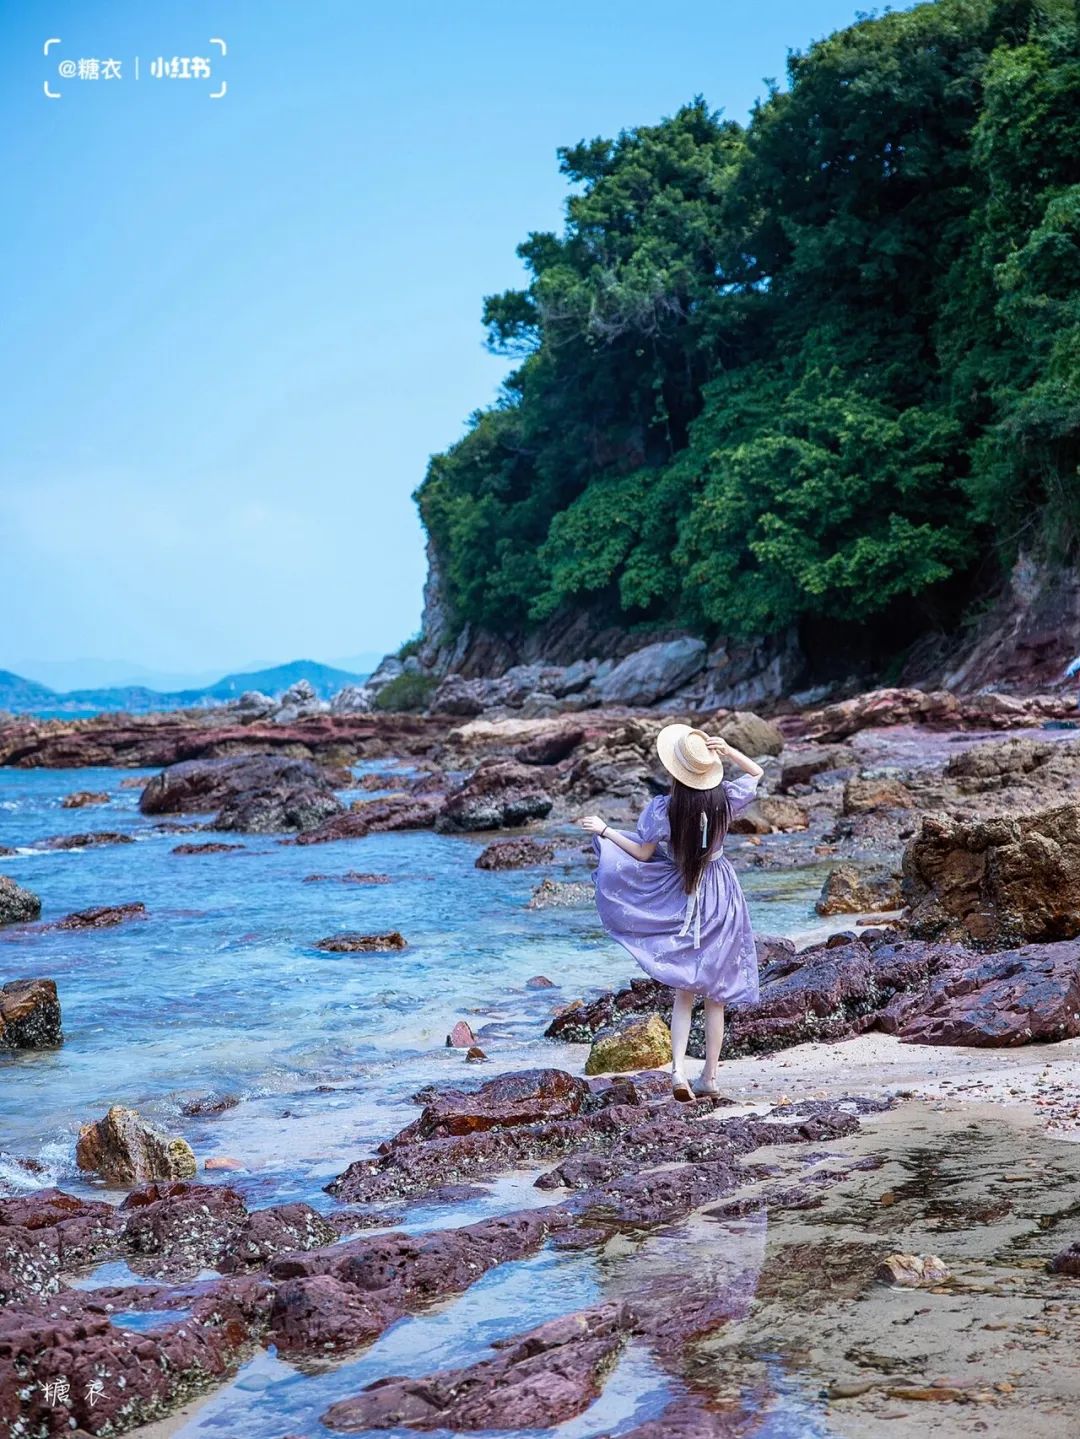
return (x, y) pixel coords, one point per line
(1023, 642)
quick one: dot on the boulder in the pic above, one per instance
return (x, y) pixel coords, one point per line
(461, 1036)
(771, 814)
(30, 1014)
(352, 700)
(259, 794)
(497, 795)
(124, 1148)
(521, 852)
(863, 794)
(363, 943)
(913, 1271)
(996, 882)
(300, 693)
(642, 1043)
(750, 733)
(850, 890)
(81, 798)
(17, 905)
(649, 674)
(1066, 1261)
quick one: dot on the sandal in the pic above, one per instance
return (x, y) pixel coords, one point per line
(680, 1087)
(707, 1089)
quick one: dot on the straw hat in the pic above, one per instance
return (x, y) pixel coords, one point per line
(684, 753)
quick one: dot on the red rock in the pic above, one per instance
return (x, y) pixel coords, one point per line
(475, 1055)
(256, 793)
(378, 816)
(103, 916)
(497, 795)
(540, 981)
(461, 1036)
(535, 1380)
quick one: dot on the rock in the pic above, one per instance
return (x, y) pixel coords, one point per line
(83, 797)
(637, 1044)
(1066, 1261)
(210, 847)
(377, 816)
(300, 693)
(649, 674)
(102, 916)
(552, 746)
(224, 1164)
(254, 702)
(861, 795)
(353, 699)
(362, 943)
(849, 890)
(30, 1014)
(518, 853)
(807, 763)
(351, 876)
(913, 1271)
(17, 905)
(475, 1055)
(259, 794)
(540, 981)
(497, 795)
(535, 1380)
(1018, 996)
(209, 1104)
(750, 733)
(85, 841)
(771, 814)
(124, 1149)
(996, 882)
(461, 1036)
(562, 894)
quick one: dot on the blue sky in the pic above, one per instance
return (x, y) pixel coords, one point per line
(236, 329)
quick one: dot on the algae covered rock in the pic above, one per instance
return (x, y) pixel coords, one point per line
(29, 1015)
(642, 1043)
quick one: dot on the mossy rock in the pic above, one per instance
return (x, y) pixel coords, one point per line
(643, 1042)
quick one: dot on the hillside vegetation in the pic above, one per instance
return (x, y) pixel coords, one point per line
(824, 366)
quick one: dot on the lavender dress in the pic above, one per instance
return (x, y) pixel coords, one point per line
(703, 943)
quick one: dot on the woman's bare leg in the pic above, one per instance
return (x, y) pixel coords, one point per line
(714, 1039)
(681, 1013)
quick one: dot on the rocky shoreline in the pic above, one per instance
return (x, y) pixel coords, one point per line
(960, 819)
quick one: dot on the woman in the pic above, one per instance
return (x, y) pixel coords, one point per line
(669, 896)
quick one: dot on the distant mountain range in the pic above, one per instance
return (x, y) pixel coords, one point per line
(23, 696)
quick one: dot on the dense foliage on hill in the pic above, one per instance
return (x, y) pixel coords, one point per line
(816, 367)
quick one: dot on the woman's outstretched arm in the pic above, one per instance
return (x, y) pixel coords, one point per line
(595, 825)
(722, 750)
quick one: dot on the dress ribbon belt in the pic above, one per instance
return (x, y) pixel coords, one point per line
(692, 916)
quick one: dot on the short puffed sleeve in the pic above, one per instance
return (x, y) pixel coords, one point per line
(653, 827)
(741, 792)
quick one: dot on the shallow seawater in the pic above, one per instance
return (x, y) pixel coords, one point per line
(219, 991)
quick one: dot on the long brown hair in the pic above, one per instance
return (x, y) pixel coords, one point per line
(685, 811)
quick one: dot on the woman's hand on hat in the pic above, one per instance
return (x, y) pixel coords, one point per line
(719, 747)
(593, 823)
